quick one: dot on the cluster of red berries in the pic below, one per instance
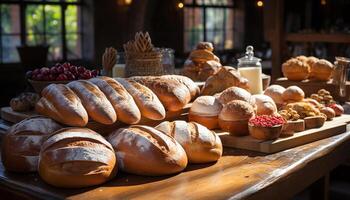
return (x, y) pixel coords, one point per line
(61, 72)
(267, 120)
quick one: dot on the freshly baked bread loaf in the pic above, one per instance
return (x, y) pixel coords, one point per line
(75, 158)
(293, 94)
(201, 55)
(63, 105)
(215, 83)
(21, 145)
(191, 86)
(173, 95)
(321, 70)
(205, 110)
(208, 68)
(201, 144)
(275, 92)
(236, 93)
(123, 103)
(146, 151)
(234, 117)
(94, 101)
(205, 45)
(145, 99)
(295, 70)
(265, 105)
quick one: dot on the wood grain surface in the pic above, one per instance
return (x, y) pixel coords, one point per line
(238, 174)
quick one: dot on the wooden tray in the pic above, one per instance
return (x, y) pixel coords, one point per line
(9, 115)
(337, 126)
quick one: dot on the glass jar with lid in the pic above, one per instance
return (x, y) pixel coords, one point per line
(250, 68)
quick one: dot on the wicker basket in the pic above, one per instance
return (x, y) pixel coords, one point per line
(144, 64)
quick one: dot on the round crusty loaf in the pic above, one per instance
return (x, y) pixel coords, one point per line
(275, 92)
(293, 94)
(236, 93)
(146, 151)
(76, 157)
(63, 105)
(94, 101)
(21, 145)
(123, 103)
(201, 144)
(205, 110)
(265, 105)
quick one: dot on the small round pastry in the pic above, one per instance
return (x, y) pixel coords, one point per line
(329, 112)
(338, 109)
(201, 55)
(293, 94)
(322, 70)
(205, 110)
(236, 93)
(234, 117)
(295, 70)
(275, 92)
(205, 45)
(265, 105)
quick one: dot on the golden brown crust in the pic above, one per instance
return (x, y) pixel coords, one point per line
(235, 93)
(205, 45)
(192, 87)
(236, 110)
(295, 70)
(63, 105)
(293, 94)
(265, 105)
(322, 70)
(201, 55)
(275, 92)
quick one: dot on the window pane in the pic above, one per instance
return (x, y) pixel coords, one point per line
(35, 39)
(55, 47)
(74, 46)
(9, 18)
(53, 19)
(72, 19)
(229, 18)
(229, 44)
(215, 18)
(9, 51)
(217, 38)
(34, 19)
(193, 27)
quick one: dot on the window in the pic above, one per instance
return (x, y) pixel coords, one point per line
(208, 20)
(56, 23)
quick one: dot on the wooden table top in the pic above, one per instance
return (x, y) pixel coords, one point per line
(238, 174)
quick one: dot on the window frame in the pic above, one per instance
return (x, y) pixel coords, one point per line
(204, 7)
(23, 32)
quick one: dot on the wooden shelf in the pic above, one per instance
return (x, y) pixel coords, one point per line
(318, 37)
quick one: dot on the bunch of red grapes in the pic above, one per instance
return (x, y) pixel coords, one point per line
(61, 72)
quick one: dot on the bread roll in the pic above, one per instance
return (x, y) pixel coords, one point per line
(75, 158)
(201, 144)
(191, 86)
(295, 70)
(205, 110)
(21, 145)
(265, 105)
(275, 92)
(94, 101)
(146, 151)
(173, 95)
(145, 99)
(63, 105)
(236, 93)
(201, 55)
(321, 70)
(293, 94)
(234, 117)
(123, 103)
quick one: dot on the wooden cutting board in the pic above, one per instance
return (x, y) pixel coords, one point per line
(337, 126)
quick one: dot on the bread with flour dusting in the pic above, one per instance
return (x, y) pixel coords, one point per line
(21, 145)
(75, 158)
(94, 101)
(123, 103)
(145, 99)
(146, 151)
(192, 87)
(201, 144)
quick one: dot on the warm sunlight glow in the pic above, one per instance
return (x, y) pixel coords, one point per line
(180, 5)
(260, 3)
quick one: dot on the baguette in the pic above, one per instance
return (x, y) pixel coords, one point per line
(123, 103)
(145, 99)
(63, 105)
(94, 101)
(191, 86)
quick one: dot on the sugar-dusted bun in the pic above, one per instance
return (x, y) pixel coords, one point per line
(201, 144)
(146, 151)
(205, 45)
(236, 93)
(275, 92)
(21, 145)
(234, 117)
(201, 55)
(293, 94)
(295, 70)
(265, 105)
(75, 158)
(322, 70)
(205, 110)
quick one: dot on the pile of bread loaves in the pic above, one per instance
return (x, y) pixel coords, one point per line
(74, 157)
(106, 100)
(302, 68)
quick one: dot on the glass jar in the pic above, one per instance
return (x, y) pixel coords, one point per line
(250, 68)
(168, 60)
(119, 67)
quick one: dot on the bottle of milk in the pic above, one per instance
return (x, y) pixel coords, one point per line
(250, 68)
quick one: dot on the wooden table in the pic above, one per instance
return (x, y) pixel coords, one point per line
(238, 174)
